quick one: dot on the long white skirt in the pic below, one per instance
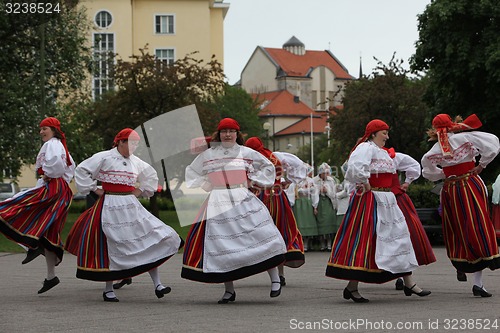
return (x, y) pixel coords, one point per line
(239, 232)
(394, 251)
(135, 236)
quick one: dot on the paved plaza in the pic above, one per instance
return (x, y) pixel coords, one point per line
(310, 302)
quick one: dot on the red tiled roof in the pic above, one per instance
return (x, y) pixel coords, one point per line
(299, 65)
(304, 125)
(281, 103)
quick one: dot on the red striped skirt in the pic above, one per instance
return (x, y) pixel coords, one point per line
(37, 216)
(281, 211)
(353, 250)
(419, 240)
(467, 228)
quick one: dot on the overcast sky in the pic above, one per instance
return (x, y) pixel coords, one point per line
(348, 28)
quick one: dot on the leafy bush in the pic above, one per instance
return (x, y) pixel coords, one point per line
(422, 196)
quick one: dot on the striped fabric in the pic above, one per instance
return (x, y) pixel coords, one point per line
(467, 228)
(87, 243)
(419, 240)
(193, 249)
(353, 250)
(281, 211)
(38, 216)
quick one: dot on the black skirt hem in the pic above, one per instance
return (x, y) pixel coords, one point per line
(294, 259)
(362, 276)
(108, 275)
(240, 273)
(467, 267)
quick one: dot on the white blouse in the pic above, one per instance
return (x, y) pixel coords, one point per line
(52, 159)
(257, 167)
(408, 165)
(112, 167)
(465, 147)
(368, 159)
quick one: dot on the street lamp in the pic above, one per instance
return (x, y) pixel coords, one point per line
(266, 126)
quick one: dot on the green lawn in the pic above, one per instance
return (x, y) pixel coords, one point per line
(169, 217)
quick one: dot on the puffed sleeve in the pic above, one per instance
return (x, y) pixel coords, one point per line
(430, 170)
(261, 171)
(295, 168)
(147, 178)
(486, 144)
(358, 165)
(195, 176)
(408, 165)
(54, 165)
(87, 171)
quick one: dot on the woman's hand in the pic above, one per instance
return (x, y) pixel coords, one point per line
(137, 192)
(405, 186)
(207, 186)
(99, 192)
(477, 170)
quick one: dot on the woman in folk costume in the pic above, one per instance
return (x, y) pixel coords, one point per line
(326, 216)
(233, 236)
(495, 206)
(420, 241)
(343, 195)
(35, 218)
(469, 234)
(373, 243)
(289, 169)
(117, 238)
(305, 208)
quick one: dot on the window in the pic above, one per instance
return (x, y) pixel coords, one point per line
(103, 19)
(165, 55)
(164, 24)
(103, 62)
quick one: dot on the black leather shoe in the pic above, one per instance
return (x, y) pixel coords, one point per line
(109, 299)
(32, 254)
(461, 276)
(348, 295)
(276, 293)
(399, 284)
(122, 283)
(49, 284)
(227, 300)
(162, 292)
(479, 291)
(282, 281)
(409, 291)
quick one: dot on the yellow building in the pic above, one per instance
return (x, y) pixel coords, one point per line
(171, 29)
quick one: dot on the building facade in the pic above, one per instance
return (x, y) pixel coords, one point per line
(170, 29)
(297, 90)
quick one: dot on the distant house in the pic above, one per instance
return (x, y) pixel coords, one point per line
(293, 84)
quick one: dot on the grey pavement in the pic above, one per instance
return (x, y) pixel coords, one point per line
(310, 302)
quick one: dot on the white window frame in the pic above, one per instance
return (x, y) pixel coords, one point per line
(107, 11)
(105, 82)
(168, 25)
(169, 61)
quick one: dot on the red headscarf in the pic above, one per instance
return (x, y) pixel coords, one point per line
(443, 124)
(372, 127)
(256, 144)
(126, 134)
(56, 124)
(228, 123)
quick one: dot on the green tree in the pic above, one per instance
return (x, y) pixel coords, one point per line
(459, 49)
(42, 64)
(147, 88)
(236, 103)
(388, 94)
